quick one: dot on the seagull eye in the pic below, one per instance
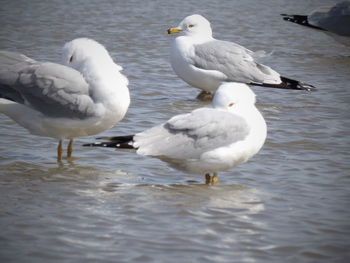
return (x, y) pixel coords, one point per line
(190, 25)
(70, 59)
(231, 104)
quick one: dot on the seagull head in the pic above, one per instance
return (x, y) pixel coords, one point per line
(78, 52)
(233, 96)
(193, 25)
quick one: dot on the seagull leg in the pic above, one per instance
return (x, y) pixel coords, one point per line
(207, 179)
(204, 96)
(211, 179)
(59, 151)
(214, 179)
(70, 148)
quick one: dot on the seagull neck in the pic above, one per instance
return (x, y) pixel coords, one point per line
(249, 112)
(97, 71)
(255, 119)
(200, 39)
(107, 81)
(97, 68)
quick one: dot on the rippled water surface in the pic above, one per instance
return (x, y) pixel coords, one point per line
(290, 203)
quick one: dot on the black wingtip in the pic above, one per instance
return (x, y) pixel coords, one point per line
(123, 138)
(98, 144)
(308, 87)
(300, 20)
(287, 83)
(295, 84)
(121, 142)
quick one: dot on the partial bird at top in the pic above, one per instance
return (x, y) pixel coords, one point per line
(207, 140)
(86, 96)
(205, 62)
(333, 20)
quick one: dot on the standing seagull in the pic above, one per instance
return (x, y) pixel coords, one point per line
(333, 20)
(205, 62)
(86, 97)
(207, 140)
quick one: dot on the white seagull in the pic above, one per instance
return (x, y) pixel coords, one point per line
(333, 20)
(205, 62)
(207, 140)
(87, 96)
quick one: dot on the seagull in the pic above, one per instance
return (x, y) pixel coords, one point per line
(205, 62)
(86, 96)
(207, 140)
(333, 20)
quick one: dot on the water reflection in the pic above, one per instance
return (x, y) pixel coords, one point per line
(289, 204)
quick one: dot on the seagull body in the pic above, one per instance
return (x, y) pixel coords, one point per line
(84, 97)
(205, 62)
(334, 20)
(207, 140)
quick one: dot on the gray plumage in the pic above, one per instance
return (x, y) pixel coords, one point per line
(207, 140)
(187, 136)
(233, 60)
(53, 89)
(85, 96)
(335, 19)
(205, 62)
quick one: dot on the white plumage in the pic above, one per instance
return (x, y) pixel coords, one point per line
(207, 140)
(205, 62)
(84, 97)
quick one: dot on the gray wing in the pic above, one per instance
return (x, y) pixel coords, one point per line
(187, 136)
(10, 64)
(235, 61)
(335, 19)
(53, 89)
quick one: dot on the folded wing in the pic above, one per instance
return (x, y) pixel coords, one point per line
(57, 90)
(188, 136)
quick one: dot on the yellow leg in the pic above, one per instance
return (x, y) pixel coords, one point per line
(59, 151)
(211, 179)
(70, 148)
(214, 179)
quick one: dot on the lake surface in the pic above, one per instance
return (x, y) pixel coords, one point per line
(290, 203)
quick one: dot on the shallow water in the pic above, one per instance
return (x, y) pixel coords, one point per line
(290, 203)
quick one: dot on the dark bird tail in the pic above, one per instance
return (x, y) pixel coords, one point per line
(121, 142)
(299, 19)
(287, 83)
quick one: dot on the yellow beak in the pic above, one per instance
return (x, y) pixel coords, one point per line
(173, 30)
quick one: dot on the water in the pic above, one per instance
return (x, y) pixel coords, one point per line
(290, 203)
